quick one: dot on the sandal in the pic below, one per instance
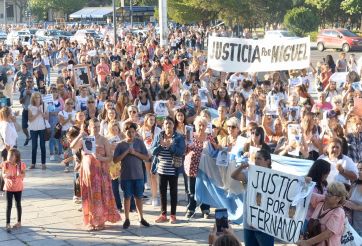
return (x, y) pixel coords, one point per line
(43, 167)
(8, 228)
(99, 228)
(32, 166)
(91, 228)
(17, 225)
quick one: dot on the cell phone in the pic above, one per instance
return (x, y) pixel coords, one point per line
(221, 219)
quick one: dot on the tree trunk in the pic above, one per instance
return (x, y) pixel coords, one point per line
(360, 27)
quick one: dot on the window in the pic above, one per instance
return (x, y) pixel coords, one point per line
(10, 11)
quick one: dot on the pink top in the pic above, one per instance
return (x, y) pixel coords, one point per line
(13, 178)
(102, 71)
(334, 220)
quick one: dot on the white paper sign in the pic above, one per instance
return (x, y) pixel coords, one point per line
(48, 98)
(252, 154)
(247, 55)
(89, 145)
(294, 138)
(203, 95)
(339, 78)
(189, 130)
(160, 108)
(269, 202)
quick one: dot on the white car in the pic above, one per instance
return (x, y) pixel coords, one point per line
(15, 36)
(81, 36)
(277, 34)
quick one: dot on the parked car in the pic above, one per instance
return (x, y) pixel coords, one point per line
(338, 39)
(277, 34)
(3, 36)
(15, 36)
(53, 34)
(81, 36)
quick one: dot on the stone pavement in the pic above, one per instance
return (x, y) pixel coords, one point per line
(51, 218)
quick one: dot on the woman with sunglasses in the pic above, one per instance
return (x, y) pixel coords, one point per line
(343, 169)
(132, 115)
(144, 102)
(148, 133)
(91, 112)
(328, 209)
(97, 198)
(257, 140)
(38, 114)
(310, 133)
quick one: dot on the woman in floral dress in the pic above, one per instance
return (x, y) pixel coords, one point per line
(97, 198)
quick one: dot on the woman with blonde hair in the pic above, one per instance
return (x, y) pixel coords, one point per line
(38, 115)
(328, 210)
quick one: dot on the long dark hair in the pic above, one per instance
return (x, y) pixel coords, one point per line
(266, 155)
(180, 110)
(243, 103)
(317, 171)
(226, 98)
(260, 132)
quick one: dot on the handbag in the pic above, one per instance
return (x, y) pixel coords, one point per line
(58, 131)
(2, 181)
(350, 237)
(314, 226)
(47, 129)
(177, 161)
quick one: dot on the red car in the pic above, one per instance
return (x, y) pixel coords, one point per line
(338, 39)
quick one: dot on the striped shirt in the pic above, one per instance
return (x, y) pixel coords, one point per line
(165, 166)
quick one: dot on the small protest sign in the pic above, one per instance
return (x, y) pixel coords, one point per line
(160, 108)
(222, 158)
(294, 139)
(277, 202)
(89, 145)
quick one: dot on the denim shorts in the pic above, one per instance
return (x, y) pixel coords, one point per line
(133, 187)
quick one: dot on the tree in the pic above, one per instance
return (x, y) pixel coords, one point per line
(184, 12)
(21, 4)
(301, 20)
(329, 10)
(353, 7)
(40, 8)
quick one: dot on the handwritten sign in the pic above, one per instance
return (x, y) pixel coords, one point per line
(277, 203)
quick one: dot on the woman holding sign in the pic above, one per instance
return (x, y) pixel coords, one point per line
(253, 237)
(97, 198)
(194, 149)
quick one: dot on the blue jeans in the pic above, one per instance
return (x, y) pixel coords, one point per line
(48, 69)
(133, 187)
(34, 145)
(257, 238)
(117, 196)
(54, 142)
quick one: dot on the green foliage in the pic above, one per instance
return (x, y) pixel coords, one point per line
(40, 8)
(313, 36)
(187, 11)
(352, 6)
(301, 20)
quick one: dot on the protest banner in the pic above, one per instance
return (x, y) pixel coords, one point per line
(340, 78)
(277, 203)
(48, 98)
(246, 55)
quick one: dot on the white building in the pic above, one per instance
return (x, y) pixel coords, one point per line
(12, 12)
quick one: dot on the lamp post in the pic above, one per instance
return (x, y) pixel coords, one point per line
(5, 15)
(131, 10)
(162, 5)
(114, 22)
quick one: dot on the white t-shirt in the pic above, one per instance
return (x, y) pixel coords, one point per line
(38, 123)
(8, 134)
(65, 116)
(334, 176)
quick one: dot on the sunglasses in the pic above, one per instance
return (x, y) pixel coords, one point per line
(90, 101)
(132, 112)
(255, 133)
(330, 194)
(233, 127)
(69, 103)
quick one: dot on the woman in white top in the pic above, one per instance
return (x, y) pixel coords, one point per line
(343, 169)
(8, 134)
(144, 102)
(111, 115)
(46, 59)
(66, 118)
(38, 114)
(148, 132)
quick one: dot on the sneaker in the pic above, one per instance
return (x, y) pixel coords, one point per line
(126, 224)
(61, 156)
(77, 200)
(147, 186)
(52, 158)
(80, 209)
(161, 219)
(149, 202)
(190, 214)
(66, 169)
(173, 219)
(155, 202)
(144, 223)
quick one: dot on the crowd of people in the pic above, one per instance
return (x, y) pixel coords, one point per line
(152, 112)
